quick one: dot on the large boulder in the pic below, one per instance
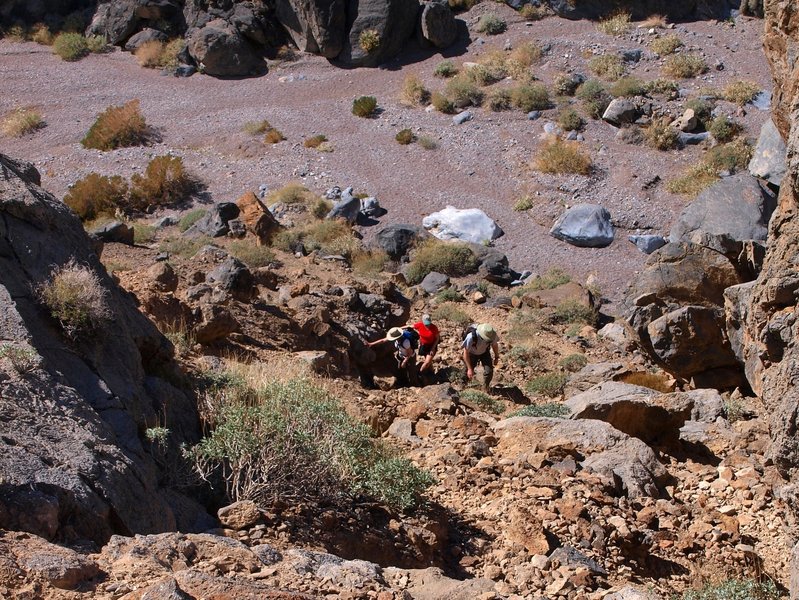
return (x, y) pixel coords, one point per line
(316, 26)
(438, 25)
(257, 218)
(621, 111)
(585, 225)
(214, 222)
(392, 22)
(346, 208)
(738, 207)
(769, 158)
(397, 239)
(146, 35)
(220, 50)
(466, 225)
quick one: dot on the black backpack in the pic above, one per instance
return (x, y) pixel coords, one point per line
(469, 329)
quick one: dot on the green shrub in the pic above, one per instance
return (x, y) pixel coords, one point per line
(364, 106)
(533, 96)
(445, 69)
(143, 233)
(499, 99)
(735, 589)
(661, 135)
(524, 203)
(684, 66)
(23, 360)
(315, 141)
(293, 439)
(594, 98)
(190, 218)
(96, 195)
(462, 91)
(724, 129)
(426, 142)
(22, 121)
(75, 297)
(450, 312)
(185, 246)
(615, 25)
(607, 66)
(369, 263)
(572, 311)
(405, 137)
(165, 182)
(565, 84)
(668, 44)
(741, 92)
(442, 104)
(662, 87)
(553, 278)
(414, 93)
(551, 409)
(573, 362)
(549, 385)
(118, 127)
(369, 40)
(491, 24)
(703, 109)
(252, 254)
(569, 120)
(449, 294)
(559, 157)
(453, 259)
(627, 87)
(70, 46)
(483, 400)
(525, 355)
(97, 44)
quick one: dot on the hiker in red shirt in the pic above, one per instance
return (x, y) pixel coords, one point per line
(428, 342)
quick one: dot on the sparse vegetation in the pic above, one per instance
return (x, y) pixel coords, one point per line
(165, 182)
(628, 87)
(252, 254)
(118, 127)
(530, 12)
(668, 44)
(159, 55)
(70, 46)
(414, 93)
(559, 157)
(449, 294)
(190, 218)
(369, 263)
(450, 312)
(483, 400)
(662, 87)
(553, 278)
(369, 40)
(550, 409)
(315, 141)
(735, 589)
(41, 34)
(273, 136)
(491, 24)
(569, 120)
(652, 381)
(445, 69)
(499, 99)
(525, 355)
(96, 195)
(565, 84)
(653, 22)
(533, 96)
(257, 127)
(661, 135)
(616, 25)
(462, 91)
(607, 66)
(143, 233)
(22, 359)
(524, 327)
(524, 203)
(724, 129)
(426, 142)
(549, 385)
(594, 98)
(22, 121)
(442, 104)
(684, 65)
(572, 311)
(573, 362)
(703, 109)
(185, 246)
(453, 259)
(292, 193)
(741, 92)
(405, 137)
(726, 157)
(364, 106)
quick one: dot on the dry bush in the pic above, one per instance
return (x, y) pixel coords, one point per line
(522, 58)
(315, 141)
(96, 44)
(594, 98)
(453, 259)
(533, 96)
(445, 69)
(661, 135)
(560, 156)
(22, 121)
(565, 84)
(657, 382)
(462, 91)
(499, 99)
(414, 93)
(607, 66)
(442, 104)
(369, 40)
(252, 254)
(491, 68)
(663, 87)
(273, 136)
(405, 137)
(654, 22)
(118, 127)
(15, 33)
(426, 142)
(627, 87)
(165, 182)
(149, 54)
(529, 12)
(741, 92)
(524, 203)
(724, 129)
(257, 127)
(668, 44)
(725, 157)
(292, 193)
(369, 263)
(616, 25)
(491, 24)
(569, 120)
(75, 297)
(96, 195)
(41, 34)
(684, 66)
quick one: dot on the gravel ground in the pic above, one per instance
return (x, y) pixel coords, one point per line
(484, 163)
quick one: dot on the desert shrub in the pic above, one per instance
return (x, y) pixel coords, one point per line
(525, 355)
(560, 156)
(491, 24)
(530, 12)
(41, 34)
(553, 278)
(143, 233)
(572, 311)
(462, 91)
(292, 193)
(522, 58)
(631, 135)
(661, 135)
(650, 380)
(165, 181)
(492, 68)
(483, 400)
(190, 218)
(569, 120)
(159, 55)
(23, 360)
(594, 98)
(414, 93)
(369, 263)
(668, 44)
(321, 207)
(118, 127)
(615, 25)
(449, 294)
(96, 195)
(453, 259)
(75, 297)
(549, 385)
(565, 84)
(252, 254)
(607, 66)
(369, 40)
(315, 141)
(499, 99)
(22, 121)
(70, 46)
(445, 69)
(724, 129)
(533, 96)
(655, 21)
(364, 106)
(257, 127)
(405, 137)
(726, 157)
(15, 33)
(553, 410)
(426, 142)
(684, 66)
(184, 246)
(735, 589)
(273, 136)
(662, 87)
(573, 362)
(450, 312)
(703, 109)
(96, 44)
(741, 92)
(442, 104)
(524, 203)
(294, 440)
(628, 87)
(329, 237)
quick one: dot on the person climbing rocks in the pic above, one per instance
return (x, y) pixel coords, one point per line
(406, 341)
(429, 337)
(477, 345)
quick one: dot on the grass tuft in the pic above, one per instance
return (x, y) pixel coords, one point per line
(560, 157)
(741, 92)
(666, 45)
(684, 66)
(414, 93)
(491, 24)
(616, 25)
(607, 66)
(22, 121)
(453, 259)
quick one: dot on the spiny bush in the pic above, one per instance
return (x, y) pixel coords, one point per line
(684, 66)
(15, 33)
(442, 104)
(627, 87)
(499, 99)
(453, 259)
(273, 136)
(594, 98)
(661, 135)
(450, 312)
(550, 385)
(530, 12)
(559, 157)
(550, 409)
(573, 362)
(294, 440)
(252, 254)
(364, 106)
(165, 181)
(607, 66)
(70, 46)
(445, 69)
(405, 137)
(668, 44)
(741, 92)
(724, 129)
(96, 195)
(572, 311)
(491, 24)
(315, 141)
(615, 25)
(160, 55)
(118, 127)
(75, 297)
(533, 96)
(569, 120)
(22, 121)
(190, 218)
(414, 93)
(369, 40)
(735, 589)
(462, 91)
(483, 400)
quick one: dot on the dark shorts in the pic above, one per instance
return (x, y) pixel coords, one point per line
(484, 359)
(424, 349)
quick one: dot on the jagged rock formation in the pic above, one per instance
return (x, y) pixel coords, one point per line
(675, 9)
(74, 461)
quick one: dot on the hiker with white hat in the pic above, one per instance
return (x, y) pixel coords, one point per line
(477, 345)
(406, 341)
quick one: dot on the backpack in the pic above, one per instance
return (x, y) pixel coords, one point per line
(412, 336)
(469, 329)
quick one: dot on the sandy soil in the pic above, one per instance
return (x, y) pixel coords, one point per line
(484, 163)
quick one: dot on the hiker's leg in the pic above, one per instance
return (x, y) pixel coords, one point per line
(488, 369)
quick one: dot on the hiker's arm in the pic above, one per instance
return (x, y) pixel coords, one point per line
(468, 360)
(495, 348)
(376, 342)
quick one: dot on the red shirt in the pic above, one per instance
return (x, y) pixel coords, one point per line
(428, 334)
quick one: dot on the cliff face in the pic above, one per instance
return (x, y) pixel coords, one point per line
(771, 326)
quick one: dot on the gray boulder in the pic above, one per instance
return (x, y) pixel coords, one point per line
(215, 221)
(316, 26)
(738, 207)
(434, 282)
(468, 225)
(621, 111)
(692, 139)
(220, 50)
(145, 35)
(461, 118)
(585, 225)
(769, 159)
(115, 20)
(648, 243)
(347, 208)
(438, 25)
(233, 277)
(115, 231)
(394, 22)
(396, 240)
